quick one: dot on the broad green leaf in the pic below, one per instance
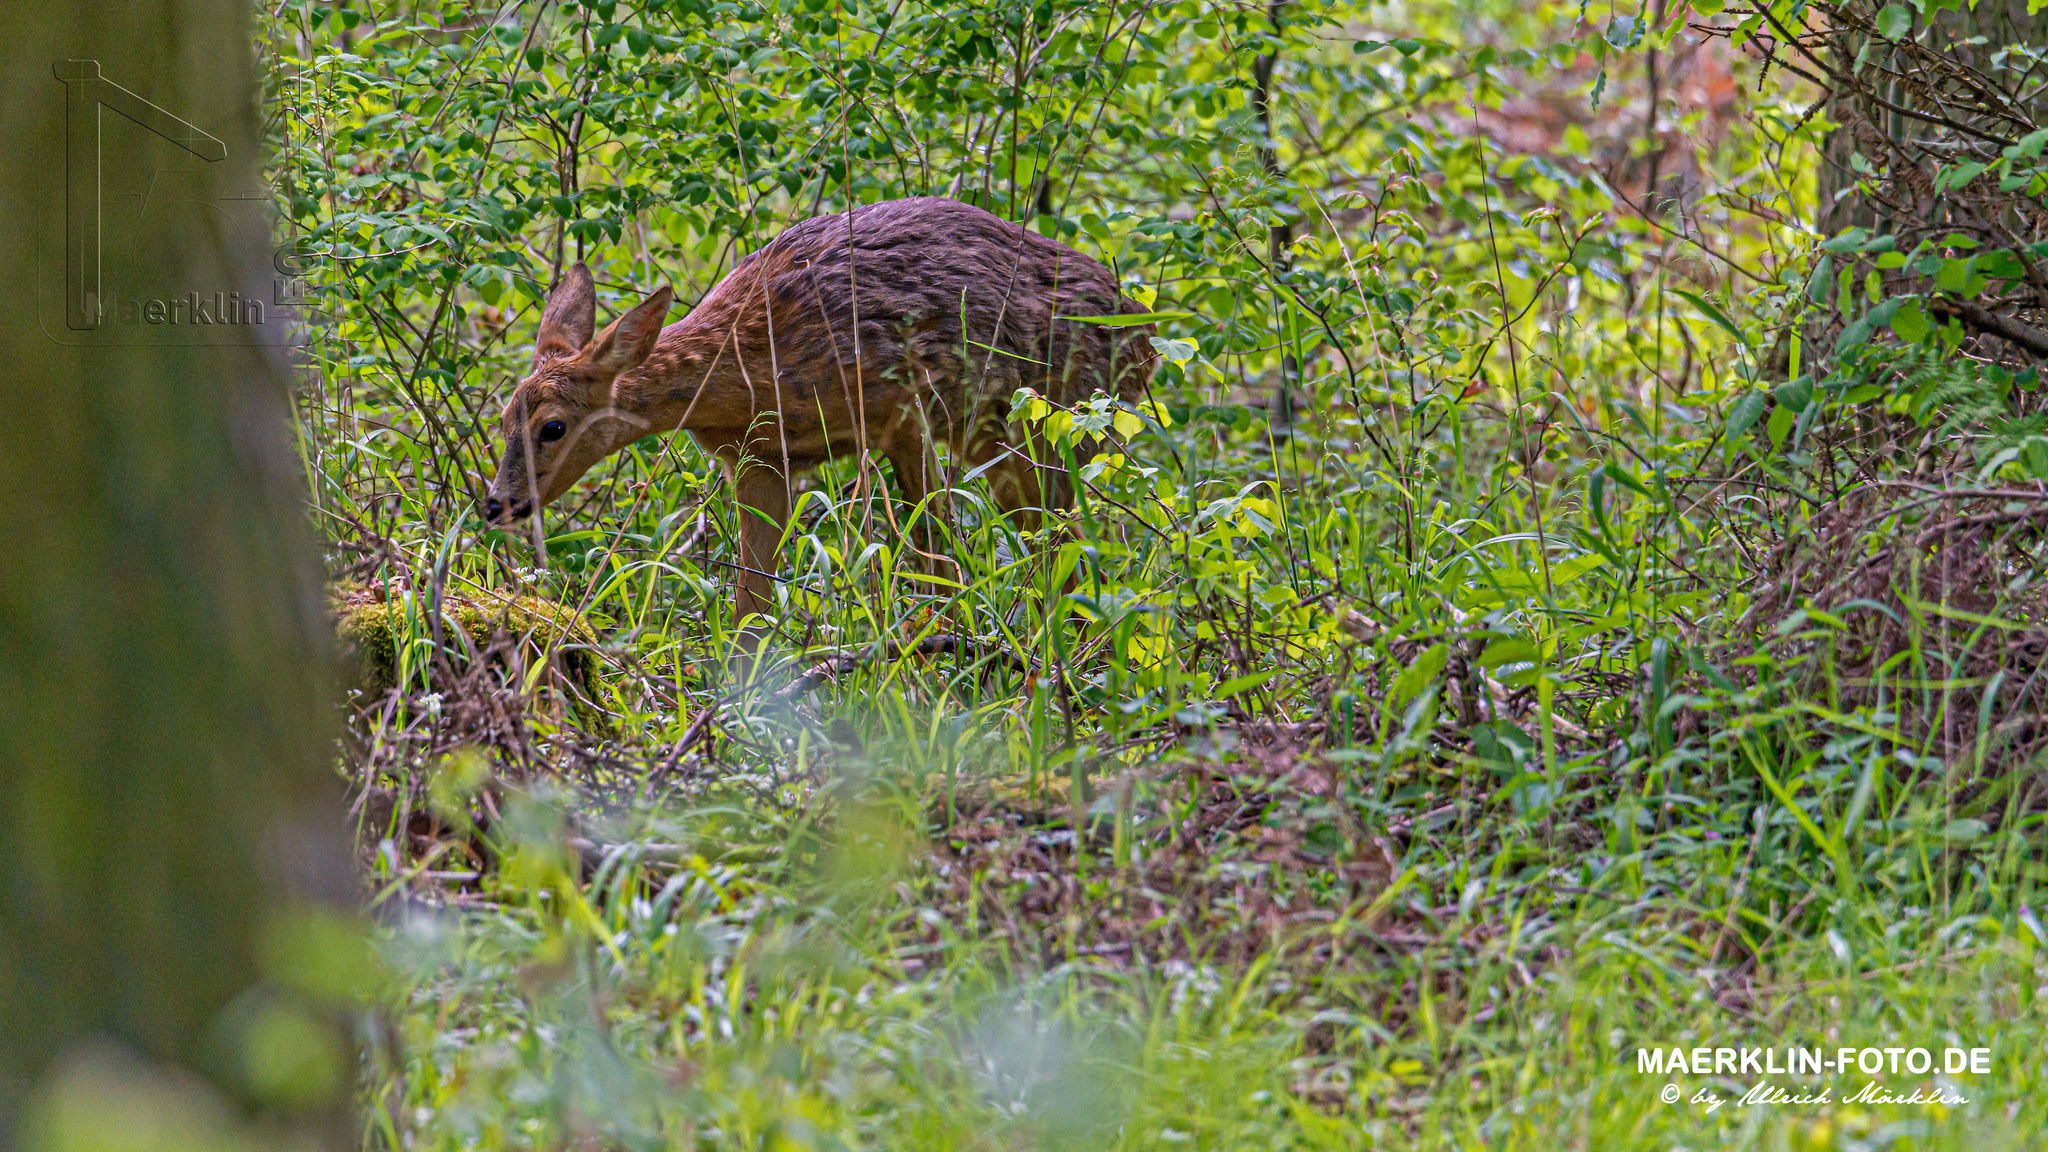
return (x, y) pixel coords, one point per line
(1817, 287)
(1570, 570)
(1954, 177)
(1780, 423)
(1894, 21)
(1910, 323)
(1744, 412)
(1954, 275)
(1795, 394)
(1509, 650)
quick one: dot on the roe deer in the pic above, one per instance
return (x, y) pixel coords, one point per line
(886, 328)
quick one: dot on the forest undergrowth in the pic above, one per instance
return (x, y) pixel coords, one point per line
(1557, 599)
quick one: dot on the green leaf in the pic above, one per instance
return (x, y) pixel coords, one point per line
(1850, 240)
(1804, 422)
(1952, 178)
(1817, 287)
(1894, 21)
(1711, 313)
(1623, 477)
(1239, 684)
(1910, 322)
(2035, 456)
(1743, 413)
(1858, 333)
(1779, 424)
(1419, 675)
(1795, 394)
(1574, 568)
(1954, 275)
(2000, 264)
(1509, 650)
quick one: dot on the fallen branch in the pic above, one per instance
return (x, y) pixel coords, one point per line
(1985, 322)
(842, 662)
(690, 736)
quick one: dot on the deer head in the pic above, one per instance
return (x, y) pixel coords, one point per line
(562, 418)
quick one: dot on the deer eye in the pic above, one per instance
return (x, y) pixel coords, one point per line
(553, 430)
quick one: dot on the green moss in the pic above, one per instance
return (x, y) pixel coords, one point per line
(372, 625)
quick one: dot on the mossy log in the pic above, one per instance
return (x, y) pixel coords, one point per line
(515, 633)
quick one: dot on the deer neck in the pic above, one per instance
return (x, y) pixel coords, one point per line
(692, 379)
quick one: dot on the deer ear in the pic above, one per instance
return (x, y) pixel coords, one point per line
(570, 314)
(630, 339)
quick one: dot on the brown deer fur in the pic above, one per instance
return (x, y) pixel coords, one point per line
(918, 331)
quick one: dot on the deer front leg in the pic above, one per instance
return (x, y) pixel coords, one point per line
(762, 493)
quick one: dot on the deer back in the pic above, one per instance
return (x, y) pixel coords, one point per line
(925, 305)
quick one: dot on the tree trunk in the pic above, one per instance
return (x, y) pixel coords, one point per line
(165, 800)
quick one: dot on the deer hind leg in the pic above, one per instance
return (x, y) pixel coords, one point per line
(1026, 488)
(1028, 477)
